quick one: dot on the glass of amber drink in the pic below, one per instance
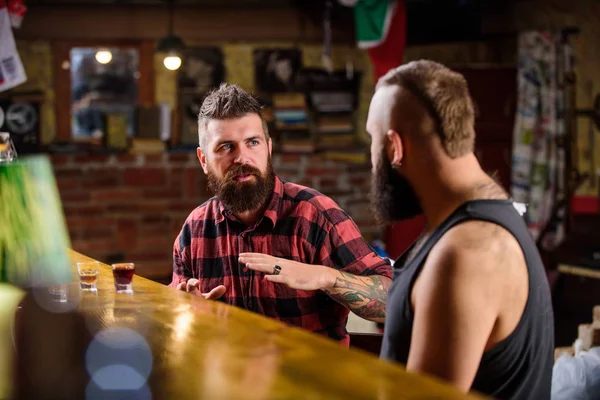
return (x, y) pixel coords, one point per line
(88, 275)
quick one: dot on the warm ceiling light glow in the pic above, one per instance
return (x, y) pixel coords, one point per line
(172, 62)
(103, 56)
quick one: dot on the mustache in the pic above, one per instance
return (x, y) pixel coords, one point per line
(241, 170)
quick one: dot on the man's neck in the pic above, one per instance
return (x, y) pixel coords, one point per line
(453, 184)
(250, 218)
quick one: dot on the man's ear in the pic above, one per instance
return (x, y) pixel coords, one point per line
(202, 158)
(270, 140)
(395, 147)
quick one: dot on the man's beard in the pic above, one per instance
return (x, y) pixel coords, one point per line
(240, 197)
(392, 196)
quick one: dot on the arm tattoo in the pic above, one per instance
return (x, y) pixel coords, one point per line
(364, 295)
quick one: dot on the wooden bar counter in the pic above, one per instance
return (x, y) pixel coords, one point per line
(190, 348)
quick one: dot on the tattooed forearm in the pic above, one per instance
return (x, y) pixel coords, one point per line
(363, 295)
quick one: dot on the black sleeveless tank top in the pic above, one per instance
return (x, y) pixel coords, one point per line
(519, 367)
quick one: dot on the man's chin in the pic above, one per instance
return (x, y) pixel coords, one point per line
(244, 198)
(245, 191)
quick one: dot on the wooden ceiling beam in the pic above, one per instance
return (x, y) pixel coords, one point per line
(191, 23)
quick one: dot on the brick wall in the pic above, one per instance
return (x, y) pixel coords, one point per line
(130, 208)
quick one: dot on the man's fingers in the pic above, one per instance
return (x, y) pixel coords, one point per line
(255, 258)
(182, 286)
(277, 278)
(215, 294)
(255, 255)
(192, 285)
(261, 267)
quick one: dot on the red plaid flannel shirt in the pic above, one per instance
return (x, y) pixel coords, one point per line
(300, 224)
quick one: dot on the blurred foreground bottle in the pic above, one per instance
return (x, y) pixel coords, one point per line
(34, 241)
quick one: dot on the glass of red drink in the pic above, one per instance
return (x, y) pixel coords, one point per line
(123, 274)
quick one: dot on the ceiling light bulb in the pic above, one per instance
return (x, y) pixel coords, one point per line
(103, 56)
(172, 62)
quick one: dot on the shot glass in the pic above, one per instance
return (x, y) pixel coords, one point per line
(58, 293)
(7, 148)
(88, 275)
(123, 274)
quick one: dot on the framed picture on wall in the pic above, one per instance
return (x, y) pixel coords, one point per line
(202, 70)
(276, 70)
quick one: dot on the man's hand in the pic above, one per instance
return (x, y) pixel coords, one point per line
(192, 286)
(291, 273)
(363, 295)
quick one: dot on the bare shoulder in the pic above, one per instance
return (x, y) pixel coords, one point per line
(478, 244)
(477, 253)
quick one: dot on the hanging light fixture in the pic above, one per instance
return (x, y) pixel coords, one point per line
(171, 45)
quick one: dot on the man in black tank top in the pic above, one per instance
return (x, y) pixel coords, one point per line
(470, 302)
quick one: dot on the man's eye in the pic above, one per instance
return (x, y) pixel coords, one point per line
(225, 147)
(253, 143)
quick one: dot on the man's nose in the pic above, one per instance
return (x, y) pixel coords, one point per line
(240, 156)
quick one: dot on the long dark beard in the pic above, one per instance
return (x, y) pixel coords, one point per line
(392, 196)
(240, 197)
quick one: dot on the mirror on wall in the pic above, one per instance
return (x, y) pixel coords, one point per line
(104, 93)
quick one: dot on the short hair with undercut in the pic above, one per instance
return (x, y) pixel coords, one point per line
(228, 101)
(445, 95)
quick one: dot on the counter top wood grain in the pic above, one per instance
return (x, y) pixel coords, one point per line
(208, 350)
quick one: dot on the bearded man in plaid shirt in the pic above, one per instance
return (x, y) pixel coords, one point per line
(273, 247)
